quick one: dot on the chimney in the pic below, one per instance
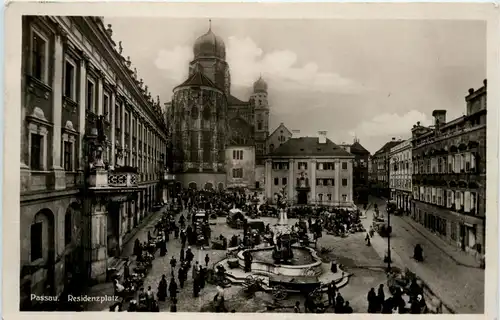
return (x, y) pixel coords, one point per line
(393, 139)
(295, 133)
(439, 117)
(322, 136)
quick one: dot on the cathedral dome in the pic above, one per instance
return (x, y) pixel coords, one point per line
(209, 45)
(259, 86)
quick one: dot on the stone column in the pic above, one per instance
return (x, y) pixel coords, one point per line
(268, 179)
(82, 107)
(130, 146)
(291, 181)
(137, 142)
(113, 127)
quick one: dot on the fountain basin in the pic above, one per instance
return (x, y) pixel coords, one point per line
(263, 262)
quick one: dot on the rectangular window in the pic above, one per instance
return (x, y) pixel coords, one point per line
(39, 57)
(344, 182)
(90, 95)
(36, 160)
(70, 80)
(302, 165)
(344, 165)
(127, 125)
(284, 181)
(68, 156)
(276, 181)
(105, 107)
(118, 123)
(329, 197)
(36, 241)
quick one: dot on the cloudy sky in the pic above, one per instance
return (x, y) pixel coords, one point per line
(372, 79)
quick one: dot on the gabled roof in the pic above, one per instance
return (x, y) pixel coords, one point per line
(197, 79)
(233, 101)
(388, 146)
(309, 146)
(356, 147)
(282, 125)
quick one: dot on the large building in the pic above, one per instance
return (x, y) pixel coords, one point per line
(86, 120)
(449, 175)
(400, 174)
(278, 137)
(360, 171)
(310, 170)
(206, 119)
(380, 169)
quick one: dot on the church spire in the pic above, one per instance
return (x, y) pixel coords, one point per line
(209, 25)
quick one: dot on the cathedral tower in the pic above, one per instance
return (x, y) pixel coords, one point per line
(210, 58)
(260, 104)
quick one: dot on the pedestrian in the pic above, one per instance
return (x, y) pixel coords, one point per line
(173, 263)
(196, 287)
(207, 260)
(194, 273)
(380, 297)
(372, 300)
(332, 289)
(162, 289)
(181, 276)
(181, 259)
(172, 289)
(339, 303)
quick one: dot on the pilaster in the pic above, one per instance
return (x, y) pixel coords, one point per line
(100, 92)
(338, 166)
(96, 246)
(113, 127)
(81, 109)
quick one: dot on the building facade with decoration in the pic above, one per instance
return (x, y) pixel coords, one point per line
(206, 119)
(449, 175)
(360, 170)
(400, 174)
(77, 87)
(380, 169)
(310, 170)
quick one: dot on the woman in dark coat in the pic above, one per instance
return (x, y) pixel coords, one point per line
(162, 289)
(163, 248)
(173, 289)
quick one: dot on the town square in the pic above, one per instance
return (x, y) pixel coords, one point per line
(220, 172)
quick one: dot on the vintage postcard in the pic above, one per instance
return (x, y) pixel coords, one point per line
(251, 158)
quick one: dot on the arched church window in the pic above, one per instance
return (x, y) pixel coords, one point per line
(206, 113)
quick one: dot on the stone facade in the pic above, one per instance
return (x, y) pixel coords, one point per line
(449, 175)
(301, 176)
(206, 119)
(240, 167)
(400, 174)
(379, 174)
(73, 73)
(278, 137)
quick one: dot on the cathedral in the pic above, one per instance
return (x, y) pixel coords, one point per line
(217, 139)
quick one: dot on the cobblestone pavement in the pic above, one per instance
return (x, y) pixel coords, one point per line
(460, 287)
(357, 258)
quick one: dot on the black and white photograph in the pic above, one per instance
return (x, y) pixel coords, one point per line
(245, 163)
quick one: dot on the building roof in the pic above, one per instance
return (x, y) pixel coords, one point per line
(309, 146)
(282, 125)
(387, 147)
(356, 147)
(233, 101)
(197, 79)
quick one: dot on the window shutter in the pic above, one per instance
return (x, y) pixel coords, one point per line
(473, 201)
(467, 201)
(462, 162)
(449, 198)
(450, 164)
(457, 163)
(472, 161)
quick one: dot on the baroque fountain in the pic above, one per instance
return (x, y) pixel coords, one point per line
(280, 265)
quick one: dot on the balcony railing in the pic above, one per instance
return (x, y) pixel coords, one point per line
(122, 179)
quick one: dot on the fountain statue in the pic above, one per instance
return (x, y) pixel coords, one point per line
(282, 239)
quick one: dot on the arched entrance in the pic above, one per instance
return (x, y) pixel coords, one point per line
(221, 186)
(209, 186)
(42, 250)
(192, 185)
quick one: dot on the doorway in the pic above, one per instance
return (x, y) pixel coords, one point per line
(462, 237)
(302, 197)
